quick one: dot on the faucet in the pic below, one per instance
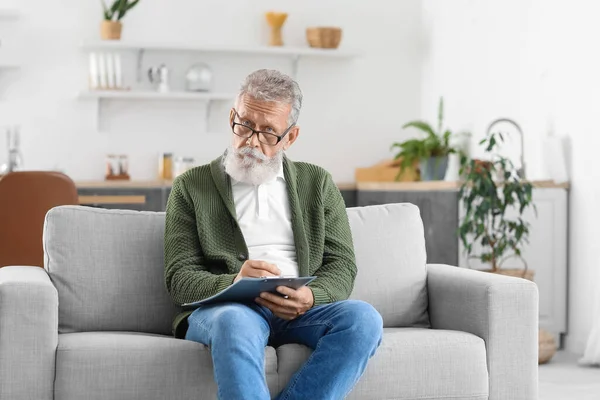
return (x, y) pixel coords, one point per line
(520, 171)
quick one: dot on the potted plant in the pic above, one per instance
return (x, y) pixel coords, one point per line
(430, 153)
(494, 199)
(111, 26)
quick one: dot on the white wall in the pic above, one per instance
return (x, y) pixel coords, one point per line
(533, 61)
(353, 109)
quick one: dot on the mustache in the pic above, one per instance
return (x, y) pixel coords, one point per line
(249, 151)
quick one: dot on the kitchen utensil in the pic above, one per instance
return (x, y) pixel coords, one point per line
(198, 78)
(160, 76)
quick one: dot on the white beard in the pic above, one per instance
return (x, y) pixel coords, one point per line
(250, 166)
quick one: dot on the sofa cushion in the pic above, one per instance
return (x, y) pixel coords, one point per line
(390, 253)
(412, 363)
(127, 365)
(108, 268)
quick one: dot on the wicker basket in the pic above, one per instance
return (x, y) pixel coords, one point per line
(324, 37)
(547, 347)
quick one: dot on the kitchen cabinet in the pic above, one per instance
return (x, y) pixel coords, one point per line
(439, 213)
(150, 197)
(139, 199)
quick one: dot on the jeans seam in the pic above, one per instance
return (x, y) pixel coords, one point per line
(314, 323)
(265, 340)
(291, 386)
(197, 325)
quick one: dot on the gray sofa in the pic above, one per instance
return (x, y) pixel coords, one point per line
(95, 322)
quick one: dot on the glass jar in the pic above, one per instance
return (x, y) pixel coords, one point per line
(179, 166)
(165, 166)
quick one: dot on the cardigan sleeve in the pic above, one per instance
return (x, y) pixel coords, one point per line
(335, 277)
(186, 278)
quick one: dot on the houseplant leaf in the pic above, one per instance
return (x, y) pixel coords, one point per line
(421, 125)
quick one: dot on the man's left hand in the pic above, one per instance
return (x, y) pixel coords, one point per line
(297, 303)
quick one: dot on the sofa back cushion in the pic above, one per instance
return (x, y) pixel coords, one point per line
(108, 268)
(390, 251)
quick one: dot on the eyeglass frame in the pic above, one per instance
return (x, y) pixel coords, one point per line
(255, 132)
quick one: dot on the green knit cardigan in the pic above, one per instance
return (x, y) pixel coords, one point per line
(205, 248)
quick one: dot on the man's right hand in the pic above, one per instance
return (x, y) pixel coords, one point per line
(257, 269)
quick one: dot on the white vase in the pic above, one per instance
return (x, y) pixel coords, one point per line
(453, 170)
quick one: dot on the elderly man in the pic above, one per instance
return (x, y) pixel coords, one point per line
(253, 212)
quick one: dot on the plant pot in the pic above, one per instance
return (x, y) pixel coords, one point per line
(433, 168)
(111, 30)
(516, 272)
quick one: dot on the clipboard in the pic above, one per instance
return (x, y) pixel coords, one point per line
(247, 289)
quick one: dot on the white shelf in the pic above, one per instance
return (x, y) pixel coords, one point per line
(100, 95)
(8, 14)
(148, 95)
(208, 48)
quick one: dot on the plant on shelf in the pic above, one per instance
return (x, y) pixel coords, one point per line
(429, 153)
(495, 199)
(111, 26)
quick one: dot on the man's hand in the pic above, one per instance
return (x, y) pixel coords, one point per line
(257, 269)
(297, 303)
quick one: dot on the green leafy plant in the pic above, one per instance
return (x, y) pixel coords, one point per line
(118, 9)
(489, 204)
(435, 144)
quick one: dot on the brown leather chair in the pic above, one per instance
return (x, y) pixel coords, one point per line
(25, 198)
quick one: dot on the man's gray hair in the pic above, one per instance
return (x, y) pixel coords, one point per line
(272, 85)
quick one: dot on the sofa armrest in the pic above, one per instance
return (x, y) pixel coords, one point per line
(28, 333)
(501, 310)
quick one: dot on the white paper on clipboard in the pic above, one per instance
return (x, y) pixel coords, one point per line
(247, 289)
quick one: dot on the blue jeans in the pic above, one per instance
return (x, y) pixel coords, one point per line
(344, 336)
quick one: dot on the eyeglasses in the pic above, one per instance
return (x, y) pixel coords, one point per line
(246, 132)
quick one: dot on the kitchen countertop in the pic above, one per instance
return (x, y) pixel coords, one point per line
(368, 186)
(438, 185)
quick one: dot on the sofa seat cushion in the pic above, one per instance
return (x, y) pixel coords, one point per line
(127, 365)
(412, 363)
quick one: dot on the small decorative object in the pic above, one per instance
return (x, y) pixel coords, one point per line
(324, 37)
(198, 78)
(489, 220)
(112, 27)
(105, 71)
(117, 167)
(431, 152)
(547, 347)
(160, 77)
(276, 21)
